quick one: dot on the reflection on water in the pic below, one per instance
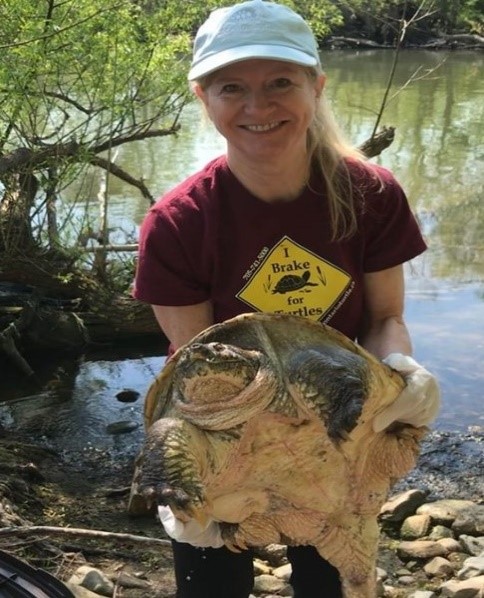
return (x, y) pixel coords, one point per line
(437, 155)
(77, 416)
(447, 325)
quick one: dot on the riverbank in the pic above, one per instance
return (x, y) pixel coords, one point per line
(41, 488)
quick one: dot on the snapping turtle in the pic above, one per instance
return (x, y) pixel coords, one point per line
(293, 282)
(264, 423)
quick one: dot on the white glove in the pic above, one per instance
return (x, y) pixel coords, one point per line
(418, 403)
(193, 533)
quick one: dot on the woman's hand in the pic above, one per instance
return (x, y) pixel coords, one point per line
(418, 403)
(193, 532)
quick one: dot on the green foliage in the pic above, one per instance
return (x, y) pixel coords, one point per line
(463, 14)
(72, 69)
(322, 16)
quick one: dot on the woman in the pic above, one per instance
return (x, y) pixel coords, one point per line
(291, 219)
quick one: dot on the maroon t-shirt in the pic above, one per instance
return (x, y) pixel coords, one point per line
(210, 239)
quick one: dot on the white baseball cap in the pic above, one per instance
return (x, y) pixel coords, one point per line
(253, 29)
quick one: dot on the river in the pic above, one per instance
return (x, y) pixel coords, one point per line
(437, 108)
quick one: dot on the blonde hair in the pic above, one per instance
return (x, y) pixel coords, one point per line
(329, 152)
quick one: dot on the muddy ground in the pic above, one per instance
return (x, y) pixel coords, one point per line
(38, 487)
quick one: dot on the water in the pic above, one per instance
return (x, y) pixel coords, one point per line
(438, 157)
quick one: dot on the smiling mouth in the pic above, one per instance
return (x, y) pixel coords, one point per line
(263, 128)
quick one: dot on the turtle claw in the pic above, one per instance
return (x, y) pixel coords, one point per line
(165, 495)
(230, 537)
(234, 547)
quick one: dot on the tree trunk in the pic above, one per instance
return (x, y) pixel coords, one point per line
(15, 206)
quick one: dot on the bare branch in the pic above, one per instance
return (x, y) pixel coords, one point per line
(128, 248)
(103, 147)
(68, 100)
(81, 533)
(123, 175)
(23, 156)
(416, 77)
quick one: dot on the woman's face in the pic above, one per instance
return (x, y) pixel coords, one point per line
(263, 108)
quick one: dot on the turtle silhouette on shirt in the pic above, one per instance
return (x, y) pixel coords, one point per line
(293, 282)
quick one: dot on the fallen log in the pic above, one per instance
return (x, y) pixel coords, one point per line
(50, 329)
(465, 38)
(355, 42)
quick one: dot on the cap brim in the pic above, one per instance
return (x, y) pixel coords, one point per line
(233, 55)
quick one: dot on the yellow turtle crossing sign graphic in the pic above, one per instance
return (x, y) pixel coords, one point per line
(291, 279)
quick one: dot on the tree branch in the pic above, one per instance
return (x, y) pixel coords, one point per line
(140, 136)
(23, 157)
(80, 533)
(123, 175)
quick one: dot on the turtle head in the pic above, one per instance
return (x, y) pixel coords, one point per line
(208, 372)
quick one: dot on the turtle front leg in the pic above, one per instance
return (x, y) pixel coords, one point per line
(333, 383)
(168, 470)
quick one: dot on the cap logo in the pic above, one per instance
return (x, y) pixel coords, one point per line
(246, 15)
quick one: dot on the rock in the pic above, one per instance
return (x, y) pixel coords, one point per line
(274, 554)
(402, 572)
(79, 591)
(381, 574)
(261, 568)
(439, 532)
(122, 427)
(268, 584)
(283, 572)
(420, 549)
(130, 581)
(473, 567)
(402, 506)
(470, 588)
(423, 594)
(473, 546)
(470, 521)
(406, 580)
(439, 567)
(445, 511)
(415, 526)
(93, 580)
(450, 545)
